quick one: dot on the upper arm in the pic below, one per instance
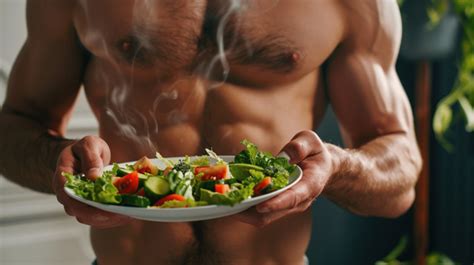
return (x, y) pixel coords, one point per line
(47, 74)
(364, 88)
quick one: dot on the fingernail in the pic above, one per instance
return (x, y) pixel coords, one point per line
(284, 155)
(94, 173)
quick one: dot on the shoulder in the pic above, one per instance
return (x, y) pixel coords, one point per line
(49, 17)
(372, 26)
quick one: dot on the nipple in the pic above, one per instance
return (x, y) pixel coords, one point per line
(125, 47)
(295, 56)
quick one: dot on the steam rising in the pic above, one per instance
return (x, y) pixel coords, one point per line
(234, 7)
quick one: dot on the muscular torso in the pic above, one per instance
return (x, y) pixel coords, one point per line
(158, 78)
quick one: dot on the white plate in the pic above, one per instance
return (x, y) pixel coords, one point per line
(186, 214)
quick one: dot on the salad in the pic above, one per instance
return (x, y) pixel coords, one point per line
(190, 182)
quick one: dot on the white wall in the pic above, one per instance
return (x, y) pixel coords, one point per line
(33, 227)
(12, 34)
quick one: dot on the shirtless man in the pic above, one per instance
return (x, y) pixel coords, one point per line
(159, 74)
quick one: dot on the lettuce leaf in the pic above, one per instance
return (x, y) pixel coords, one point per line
(181, 204)
(249, 155)
(237, 194)
(215, 198)
(101, 190)
(254, 178)
(201, 161)
(279, 168)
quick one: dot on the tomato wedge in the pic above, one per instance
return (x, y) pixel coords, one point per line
(262, 186)
(127, 184)
(171, 197)
(144, 170)
(144, 165)
(141, 192)
(221, 188)
(216, 172)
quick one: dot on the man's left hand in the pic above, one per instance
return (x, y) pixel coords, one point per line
(308, 151)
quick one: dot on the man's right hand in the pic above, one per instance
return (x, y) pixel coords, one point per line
(88, 156)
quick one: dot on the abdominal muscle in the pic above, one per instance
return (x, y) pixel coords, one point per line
(219, 118)
(221, 241)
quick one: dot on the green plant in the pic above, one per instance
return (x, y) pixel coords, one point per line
(462, 94)
(433, 258)
(463, 91)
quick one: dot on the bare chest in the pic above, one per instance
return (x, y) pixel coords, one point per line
(216, 40)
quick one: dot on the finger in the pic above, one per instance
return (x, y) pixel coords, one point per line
(66, 163)
(105, 222)
(90, 215)
(87, 214)
(253, 217)
(303, 144)
(306, 189)
(68, 211)
(93, 153)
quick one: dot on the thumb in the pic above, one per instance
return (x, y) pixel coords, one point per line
(93, 154)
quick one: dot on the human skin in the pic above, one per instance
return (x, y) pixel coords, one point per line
(144, 66)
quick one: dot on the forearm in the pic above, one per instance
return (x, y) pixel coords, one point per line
(29, 152)
(376, 179)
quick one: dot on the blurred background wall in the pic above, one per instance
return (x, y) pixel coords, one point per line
(34, 229)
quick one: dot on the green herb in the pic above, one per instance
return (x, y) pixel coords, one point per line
(182, 166)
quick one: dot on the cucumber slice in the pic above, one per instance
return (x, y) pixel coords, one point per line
(135, 200)
(240, 171)
(156, 187)
(124, 171)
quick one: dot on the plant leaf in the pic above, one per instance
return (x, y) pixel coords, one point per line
(442, 119)
(468, 112)
(398, 250)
